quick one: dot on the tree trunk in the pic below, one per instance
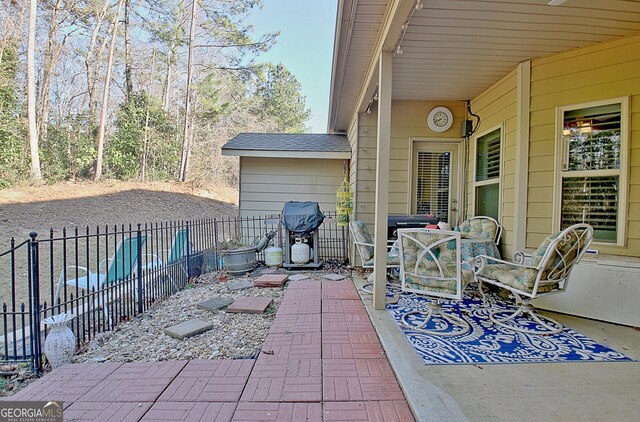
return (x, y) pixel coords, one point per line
(31, 92)
(105, 94)
(186, 145)
(91, 85)
(167, 81)
(127, 54)
(145, 138)
(50, 59)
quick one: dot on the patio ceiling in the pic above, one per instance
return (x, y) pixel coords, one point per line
(455, 49)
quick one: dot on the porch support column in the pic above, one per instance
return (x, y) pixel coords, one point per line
(382, 181)
(522, 157)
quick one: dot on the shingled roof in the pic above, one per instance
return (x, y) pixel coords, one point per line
(288, 145)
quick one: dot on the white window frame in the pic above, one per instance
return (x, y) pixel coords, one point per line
(622, 172)
(475, 169)
(454, 201)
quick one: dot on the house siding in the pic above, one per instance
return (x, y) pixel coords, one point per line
(600, 72)
(497, 106)
(267, 183)
(408, 122)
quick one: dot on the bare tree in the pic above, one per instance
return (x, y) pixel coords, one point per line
(105, 94)
(128, 73)
(186, 150)
(89, 60)
(36, 174)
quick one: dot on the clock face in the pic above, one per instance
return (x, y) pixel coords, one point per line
(440, 119)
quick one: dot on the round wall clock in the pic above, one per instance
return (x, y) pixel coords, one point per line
(440, 119)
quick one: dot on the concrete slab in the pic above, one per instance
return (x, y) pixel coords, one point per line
(270, 280)
(250, 305)
(334, 277)
(215, 303)
(239, 285)
(188, 329)
(298, 277)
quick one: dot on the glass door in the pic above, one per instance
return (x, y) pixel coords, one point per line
(435, 180)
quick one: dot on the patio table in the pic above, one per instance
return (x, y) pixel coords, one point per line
(470, 247)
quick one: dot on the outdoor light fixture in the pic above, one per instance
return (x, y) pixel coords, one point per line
(398, 50)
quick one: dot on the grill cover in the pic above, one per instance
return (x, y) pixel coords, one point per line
(301, 217)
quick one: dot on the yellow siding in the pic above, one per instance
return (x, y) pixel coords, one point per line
(607, 70)
(497, 107)
(267, 183)
(408, 121)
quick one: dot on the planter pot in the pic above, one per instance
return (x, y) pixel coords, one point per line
(240, 261)
(60, 343)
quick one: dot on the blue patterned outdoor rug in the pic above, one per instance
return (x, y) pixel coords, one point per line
(489, 343)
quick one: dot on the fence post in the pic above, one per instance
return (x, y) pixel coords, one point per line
(139, 271)
(188, 253)
(36, 335)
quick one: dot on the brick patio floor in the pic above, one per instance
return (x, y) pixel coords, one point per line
(322, 360)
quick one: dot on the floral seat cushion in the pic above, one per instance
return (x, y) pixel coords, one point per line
(435, 270)
(361, 235)
(432, 281)
(479, 227)
(516, 276)
(392, 260)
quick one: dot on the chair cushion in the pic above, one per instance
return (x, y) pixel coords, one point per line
(361, 234)
(479, 227)
(431, 282)
(392, 259)
(542, 249)
(521, 278)
(562, 258)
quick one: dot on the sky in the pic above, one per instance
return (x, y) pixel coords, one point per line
(305, 47)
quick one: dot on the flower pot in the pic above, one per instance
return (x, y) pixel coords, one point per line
(60, 343)
(240, 261)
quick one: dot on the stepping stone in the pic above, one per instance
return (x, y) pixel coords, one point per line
(188, 329)
(334, 277)
(215, 303)
(270, 280)
(250, 305)
(239, 285)
(268, 270)
(299, 277)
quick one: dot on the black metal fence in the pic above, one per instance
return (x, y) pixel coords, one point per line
(104, 276)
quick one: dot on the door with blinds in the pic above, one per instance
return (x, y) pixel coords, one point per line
(434, 183)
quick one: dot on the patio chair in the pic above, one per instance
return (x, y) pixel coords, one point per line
(179, 249)
(365, 246)
(121, 266)
(482, 226)
(548, 273)
(430, 265)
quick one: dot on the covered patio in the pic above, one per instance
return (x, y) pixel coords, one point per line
(505, 80)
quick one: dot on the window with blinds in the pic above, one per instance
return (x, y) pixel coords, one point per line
(487, 183)
(591, 147)
(433, 181)
(488, 156)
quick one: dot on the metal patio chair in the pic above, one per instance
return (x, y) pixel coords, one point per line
(548, 273)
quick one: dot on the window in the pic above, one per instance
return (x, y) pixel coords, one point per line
(487, 181)
(592, 181)
(433, 184)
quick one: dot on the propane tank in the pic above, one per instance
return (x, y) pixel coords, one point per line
(273, 256)
(300, 252)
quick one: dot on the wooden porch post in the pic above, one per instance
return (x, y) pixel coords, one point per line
(382, 180)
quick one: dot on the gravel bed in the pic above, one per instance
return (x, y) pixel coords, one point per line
(142, 339)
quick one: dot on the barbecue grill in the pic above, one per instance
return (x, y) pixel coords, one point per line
(301, 221)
